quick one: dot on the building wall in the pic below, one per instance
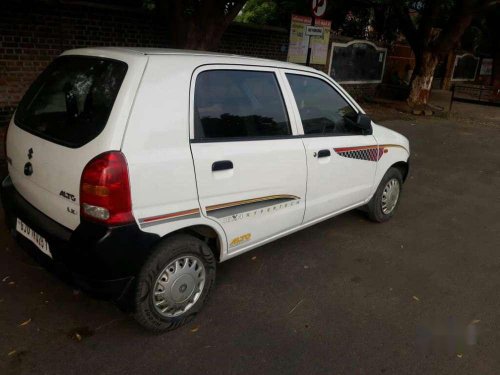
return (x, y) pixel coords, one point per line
(496, 71)
(31, 38)
(256, 41)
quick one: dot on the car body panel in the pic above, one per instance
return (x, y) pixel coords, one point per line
(172, 185)
(54, 185)
(264, 193)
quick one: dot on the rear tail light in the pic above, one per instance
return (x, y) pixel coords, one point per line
(105, 190)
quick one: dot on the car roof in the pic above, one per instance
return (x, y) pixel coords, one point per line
(215, 57)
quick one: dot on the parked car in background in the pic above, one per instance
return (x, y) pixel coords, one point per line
(137, 170)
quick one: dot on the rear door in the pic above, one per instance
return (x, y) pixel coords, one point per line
(250, 169)
(341, 159)
(62, 123)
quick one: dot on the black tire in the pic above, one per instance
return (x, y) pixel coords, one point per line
(165, 252)
(374, 206)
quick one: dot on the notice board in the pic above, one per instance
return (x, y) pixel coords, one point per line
(465, 68)
(300, 41)
(358, 61)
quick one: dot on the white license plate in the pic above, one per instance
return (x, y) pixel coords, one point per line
(34, 237)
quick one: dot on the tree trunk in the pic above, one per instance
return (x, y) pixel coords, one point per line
(428, 47)
(420, 86)
(195, 24)
(205, 38)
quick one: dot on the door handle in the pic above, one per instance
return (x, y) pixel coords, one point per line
(324, 153)
(222, 165)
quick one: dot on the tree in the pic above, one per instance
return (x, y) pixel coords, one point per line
(197, 24)
(272, 12)
(347, 15)
(432, 27)
(263, 12)
(438, 29)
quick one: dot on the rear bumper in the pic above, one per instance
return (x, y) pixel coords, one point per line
(98, 259)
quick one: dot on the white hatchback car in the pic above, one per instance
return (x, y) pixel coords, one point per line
(135, 171)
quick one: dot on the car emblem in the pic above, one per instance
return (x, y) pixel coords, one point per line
(30, 153)
(28, 169)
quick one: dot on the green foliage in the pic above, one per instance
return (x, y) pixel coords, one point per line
(355, 21)
(272, 12)
(350, 16)
(472, 38)
(149, 4)
(258, 12)
(376, 19)
(489, 27)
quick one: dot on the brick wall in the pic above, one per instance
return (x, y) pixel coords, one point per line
(495, 79)
(29, 40)
(256, 41)
(362, 91)
(3, 165)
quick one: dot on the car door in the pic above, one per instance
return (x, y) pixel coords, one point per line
(341, 160)
(250, 169)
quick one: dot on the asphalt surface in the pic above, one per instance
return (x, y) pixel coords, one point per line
(416, 295)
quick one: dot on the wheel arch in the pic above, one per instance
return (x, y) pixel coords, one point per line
(403, 167)
(204, 232)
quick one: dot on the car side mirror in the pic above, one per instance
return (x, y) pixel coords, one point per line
(364, 123)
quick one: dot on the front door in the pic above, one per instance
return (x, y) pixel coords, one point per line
(250, 170)
(341, 160)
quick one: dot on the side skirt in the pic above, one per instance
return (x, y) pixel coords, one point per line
(225, 257)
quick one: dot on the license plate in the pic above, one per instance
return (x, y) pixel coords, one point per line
(34, 237)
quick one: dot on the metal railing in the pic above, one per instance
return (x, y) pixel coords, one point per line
(486, 95)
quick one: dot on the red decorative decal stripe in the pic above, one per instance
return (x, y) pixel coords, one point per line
(169, 216)
(371, 153)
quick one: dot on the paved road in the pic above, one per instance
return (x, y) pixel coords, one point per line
(417, 295)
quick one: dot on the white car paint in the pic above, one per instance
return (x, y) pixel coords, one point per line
(58, 168)
(172, 184)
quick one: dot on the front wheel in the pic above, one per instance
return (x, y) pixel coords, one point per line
(385, 201)
(174, 283)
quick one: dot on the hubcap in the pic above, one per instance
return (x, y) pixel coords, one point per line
(179, 286)
(390, 196)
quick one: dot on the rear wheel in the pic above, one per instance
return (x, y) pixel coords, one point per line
(385, 201)
(174, 283)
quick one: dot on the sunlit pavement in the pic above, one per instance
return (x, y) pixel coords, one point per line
(417, 295)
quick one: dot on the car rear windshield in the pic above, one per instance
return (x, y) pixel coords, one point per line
(70, 102)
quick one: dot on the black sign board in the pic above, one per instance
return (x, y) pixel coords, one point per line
(357, 62)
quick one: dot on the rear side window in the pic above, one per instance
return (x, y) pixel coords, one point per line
(71, 100)
(239, 104)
